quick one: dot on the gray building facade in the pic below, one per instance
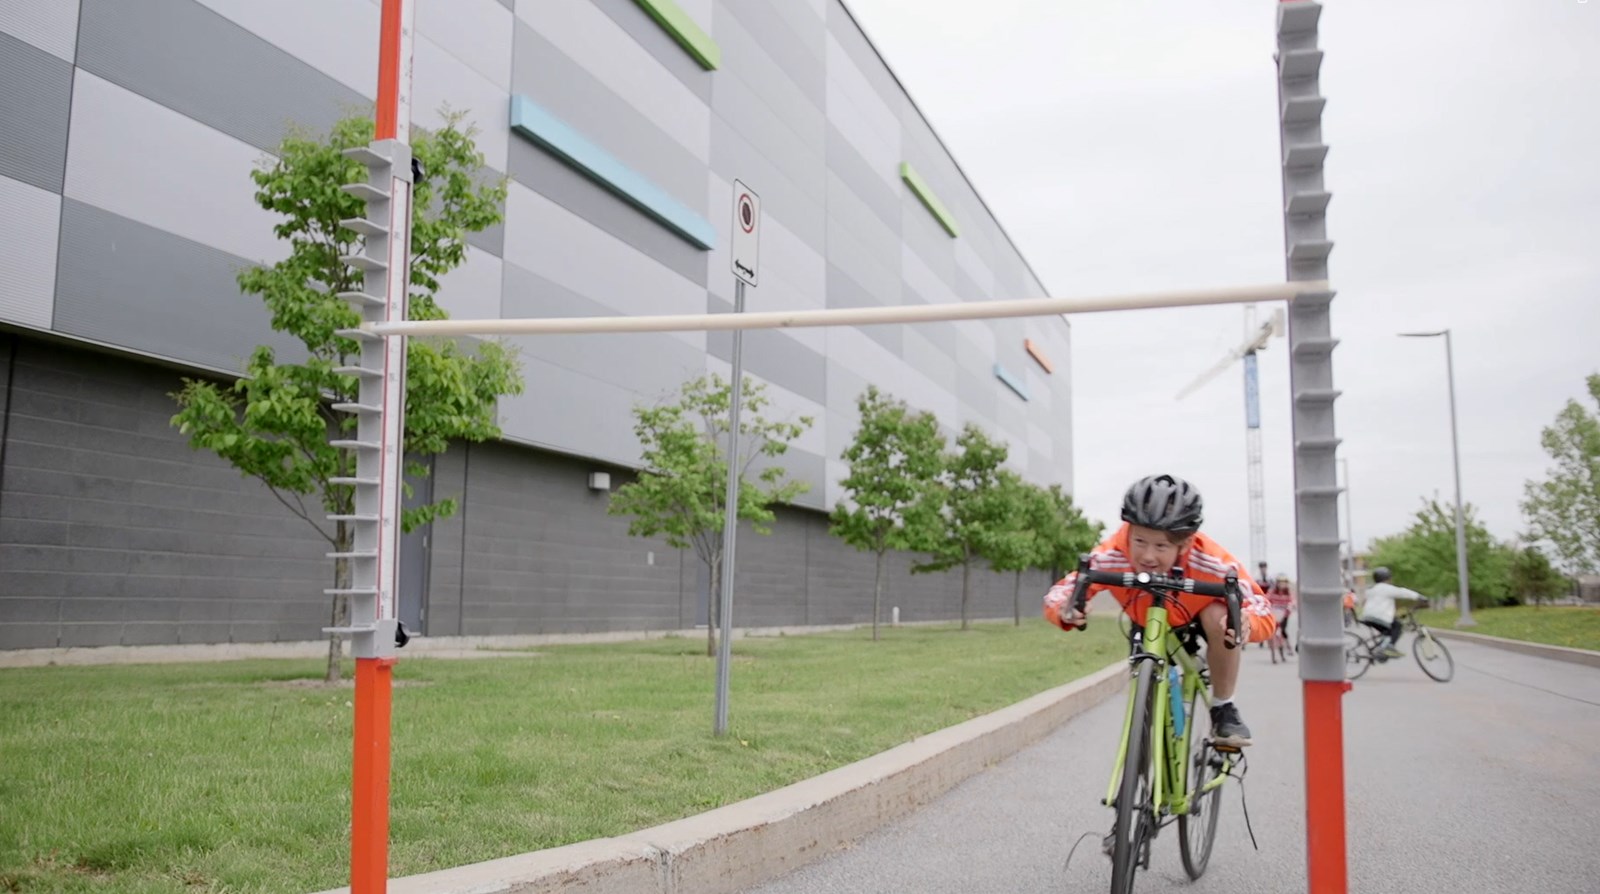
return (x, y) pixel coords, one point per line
(127, 135)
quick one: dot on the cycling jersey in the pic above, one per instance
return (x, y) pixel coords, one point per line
(1204, 560)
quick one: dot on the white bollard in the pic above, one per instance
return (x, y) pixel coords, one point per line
(894, 616)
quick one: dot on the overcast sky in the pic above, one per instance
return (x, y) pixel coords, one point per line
(1130, 146)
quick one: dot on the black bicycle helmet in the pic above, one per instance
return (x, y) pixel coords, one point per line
(1380, 575)
(1164, 503)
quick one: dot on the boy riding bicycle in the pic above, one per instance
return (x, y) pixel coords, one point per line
(1161, 518)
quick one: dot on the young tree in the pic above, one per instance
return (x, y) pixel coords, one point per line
(1014, 543)
(681, 493)
(1564, 509)
(1531, 577)
(275, 423)
(1423, 557)
(969, 510)
(1065, 532)
(894, 462)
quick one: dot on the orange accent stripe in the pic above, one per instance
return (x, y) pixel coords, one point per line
(1325, 841)
(388, 108)
(1038, 355)
(369, 809)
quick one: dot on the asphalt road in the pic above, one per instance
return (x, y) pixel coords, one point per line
(1489, 783)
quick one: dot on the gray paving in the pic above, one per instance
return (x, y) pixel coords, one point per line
(1490, 783)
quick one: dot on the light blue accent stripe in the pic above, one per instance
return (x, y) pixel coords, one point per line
(556, 137)
(1012, 382)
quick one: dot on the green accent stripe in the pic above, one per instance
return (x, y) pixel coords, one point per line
(683, 29)
(918, 186)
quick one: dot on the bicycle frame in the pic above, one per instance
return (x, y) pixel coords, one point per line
(1169, 751)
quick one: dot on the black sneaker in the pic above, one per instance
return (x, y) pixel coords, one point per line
(1226, 726)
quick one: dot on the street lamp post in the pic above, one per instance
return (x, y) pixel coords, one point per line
(1465, 620)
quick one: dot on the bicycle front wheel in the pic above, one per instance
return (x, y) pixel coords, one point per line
(1357, 655)
(1133, 797)
(1432, 656)
(1197, 829)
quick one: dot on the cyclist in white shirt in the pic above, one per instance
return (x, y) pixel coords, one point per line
(1378, 609)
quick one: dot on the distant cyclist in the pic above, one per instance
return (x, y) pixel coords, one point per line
(1161, 518)
(1281, 598)
(1378, 609)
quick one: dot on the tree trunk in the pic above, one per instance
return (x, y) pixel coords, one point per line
(877, 596)
(966, 590)
(341, 603)
(1016, 601)
(714, 609)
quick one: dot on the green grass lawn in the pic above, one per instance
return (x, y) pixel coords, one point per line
(235, 776)
(1557, 625)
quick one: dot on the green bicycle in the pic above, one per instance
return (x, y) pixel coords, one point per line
(1166, 769)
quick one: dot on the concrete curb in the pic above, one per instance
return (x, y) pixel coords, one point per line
(744, 844)
(1541, 650)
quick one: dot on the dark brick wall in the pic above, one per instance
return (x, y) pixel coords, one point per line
(114, 532)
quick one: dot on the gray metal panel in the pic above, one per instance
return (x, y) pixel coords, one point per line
(35, 102)
(845, 163)
(787, 39)
(139, 159)
(844, 28)
(921, 232)
(798, 465)
(929, 359)
(773, 355)
(491, 239)
(860, 245)
(553, 80)
(574, 413)
(941, 335)
(748, 62)
(51, 26)
(660, 44)
(128, 284)
(600, 47)
(792, 143)
(557, 181)
(194, 61)
(798, 205)
(638, 362)
(29, 227)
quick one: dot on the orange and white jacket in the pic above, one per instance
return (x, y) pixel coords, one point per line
(1204, 560)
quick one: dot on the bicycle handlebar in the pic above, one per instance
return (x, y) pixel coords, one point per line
(1158, 583)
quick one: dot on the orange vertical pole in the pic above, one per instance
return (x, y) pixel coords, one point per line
(369, 810)
(388, 109)
(1325, 841)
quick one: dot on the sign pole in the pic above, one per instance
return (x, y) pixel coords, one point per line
(744, 247)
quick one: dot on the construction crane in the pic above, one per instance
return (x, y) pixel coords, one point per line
(1256, 339)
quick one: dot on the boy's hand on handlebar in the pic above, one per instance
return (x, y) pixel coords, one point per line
(1074, 620)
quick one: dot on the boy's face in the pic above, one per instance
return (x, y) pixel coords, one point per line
(1154, 551)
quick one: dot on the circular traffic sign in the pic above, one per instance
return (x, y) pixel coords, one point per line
(747, 213)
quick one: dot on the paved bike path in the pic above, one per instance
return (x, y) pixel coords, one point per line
(1489, 783)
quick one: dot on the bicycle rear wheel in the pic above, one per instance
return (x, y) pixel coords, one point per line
(1357, 655)
(1197, 829)
(1133, 797)
(1432, 656)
